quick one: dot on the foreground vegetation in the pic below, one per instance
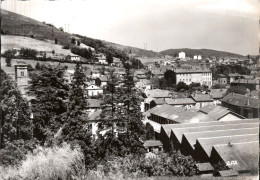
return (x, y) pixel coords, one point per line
(50, 138)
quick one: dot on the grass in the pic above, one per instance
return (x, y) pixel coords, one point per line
(8, 42)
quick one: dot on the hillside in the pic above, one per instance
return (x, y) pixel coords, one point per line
(16, 24)
(202, 52)
(128, 49)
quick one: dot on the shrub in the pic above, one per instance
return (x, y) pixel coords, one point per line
(49, 163)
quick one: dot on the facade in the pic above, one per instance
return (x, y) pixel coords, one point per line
(188, 76)
(94, 90)
(251, 84)
(154, 146)
(182, 55)
(73, 57)
(21, 74)
(222, 79)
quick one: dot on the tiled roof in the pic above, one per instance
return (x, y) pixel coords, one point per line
(103, 78)
(176, 114)
(204, 167)
(158, 93)
(94, 115)
(217, 112)
(180, 101)
(159, 101)
(228, 173)
(94, 103)
(218, 93)
(241, 100)
(152, 143)
(201, 97)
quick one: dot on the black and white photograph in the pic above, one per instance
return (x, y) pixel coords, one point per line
(129, 89)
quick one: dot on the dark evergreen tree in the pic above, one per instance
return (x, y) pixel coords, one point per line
(50, 92)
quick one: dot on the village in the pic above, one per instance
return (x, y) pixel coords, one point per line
(75, 107)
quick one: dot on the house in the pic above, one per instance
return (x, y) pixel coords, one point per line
(21, 76)
(117, 62)
(94, 90)
(154, 146)
(222, 79)
(156, 102)
(73, 57)
(243, 105)
(214, 113)
(95, 73)
(158, 72)
(202, 100)
(251, 84)
(101, 81)
(192, 75)
(181, 102)
(167, 114)
(182, 55)
(93, 104)
(68, 75)
(102, 61)
(217, 94)
(233, 76)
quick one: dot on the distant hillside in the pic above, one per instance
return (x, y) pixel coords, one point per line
(128, 49)
(16, 24)
(202, 52)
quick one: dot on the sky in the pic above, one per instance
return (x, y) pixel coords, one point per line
(226, 25)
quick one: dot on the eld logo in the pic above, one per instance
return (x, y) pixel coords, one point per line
(231, 163)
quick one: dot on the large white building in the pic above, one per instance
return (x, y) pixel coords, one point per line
(182, 55)
(188, 76)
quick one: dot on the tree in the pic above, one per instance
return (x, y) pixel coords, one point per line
(15, 120)
(109, 58)
(9, 54)
(56, 41)
(50, 91)
(38, 66)
(237, 89)
(170, 77)
(78, 43)
(149, 131)
(74, 128)
(61, 29)
(73, 40)
(182, 86)
(53, 52)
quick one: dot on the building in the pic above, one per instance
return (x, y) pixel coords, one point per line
(181, 102)
(243, 105)
(214, 113)
(95, 73)
(217, 94)
(94, 90)
(21, 76)
(251, 84)
(101, 81)
(188, 76)
(182, 55)
(233, 76)
(234, 143)
(167, 114)
(93, 104)
(154, 146)
(202, 100)
(222, 79)
(73, 57)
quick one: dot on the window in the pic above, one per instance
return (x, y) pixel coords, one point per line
(22, 73)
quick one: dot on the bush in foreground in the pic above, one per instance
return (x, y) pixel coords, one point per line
(48, 163)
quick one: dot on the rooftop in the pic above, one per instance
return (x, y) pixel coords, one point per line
(241, 100)
(94, 103)
(198, 70)
(180, 101)
(201, 97)
(176, 114)
(152, 143)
